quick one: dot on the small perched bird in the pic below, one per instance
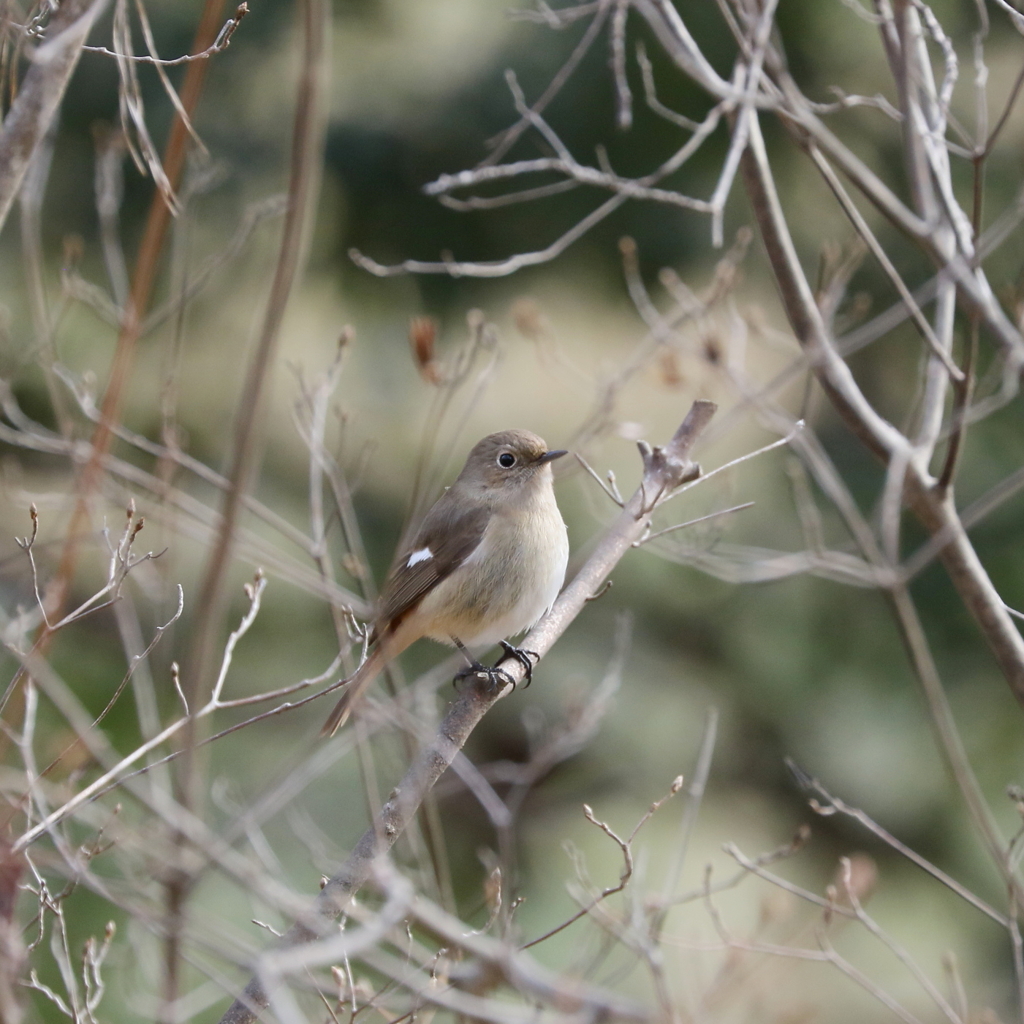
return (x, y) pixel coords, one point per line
(487, 563)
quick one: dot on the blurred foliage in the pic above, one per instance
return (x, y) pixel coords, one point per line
(802, 667)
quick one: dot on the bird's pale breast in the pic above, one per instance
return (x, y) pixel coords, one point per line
(508, 582)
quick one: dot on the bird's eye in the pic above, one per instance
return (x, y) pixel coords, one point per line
(506, 460)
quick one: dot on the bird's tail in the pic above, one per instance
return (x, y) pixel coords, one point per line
(389, 646)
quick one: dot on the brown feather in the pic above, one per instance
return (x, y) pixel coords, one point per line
(388, 647)
(451, 531)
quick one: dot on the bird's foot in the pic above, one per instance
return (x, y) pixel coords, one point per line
(520, 655)
(496, 676)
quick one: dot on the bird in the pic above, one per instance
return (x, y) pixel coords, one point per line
(486, 563)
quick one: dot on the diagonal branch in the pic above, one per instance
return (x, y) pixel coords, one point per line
(664, 470)
(880, 436)
(39, 96)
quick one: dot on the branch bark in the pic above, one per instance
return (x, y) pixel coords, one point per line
(664, 469)
(936, 511)
(53, 64)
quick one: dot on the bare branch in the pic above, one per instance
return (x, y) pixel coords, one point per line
(832, 805)
(220, 44)
(52, 65)
(663, 469)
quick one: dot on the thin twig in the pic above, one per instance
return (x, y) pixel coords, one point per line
(219, 44)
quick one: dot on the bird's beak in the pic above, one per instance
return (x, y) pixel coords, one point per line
(551, 456)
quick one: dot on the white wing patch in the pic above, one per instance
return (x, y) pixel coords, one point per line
(419, 556)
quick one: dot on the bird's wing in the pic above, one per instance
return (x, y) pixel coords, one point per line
(448, 536)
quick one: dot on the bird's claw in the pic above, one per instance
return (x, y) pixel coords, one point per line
(497, 677)
(522, 656)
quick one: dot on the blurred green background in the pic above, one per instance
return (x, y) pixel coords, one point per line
(800, 667)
